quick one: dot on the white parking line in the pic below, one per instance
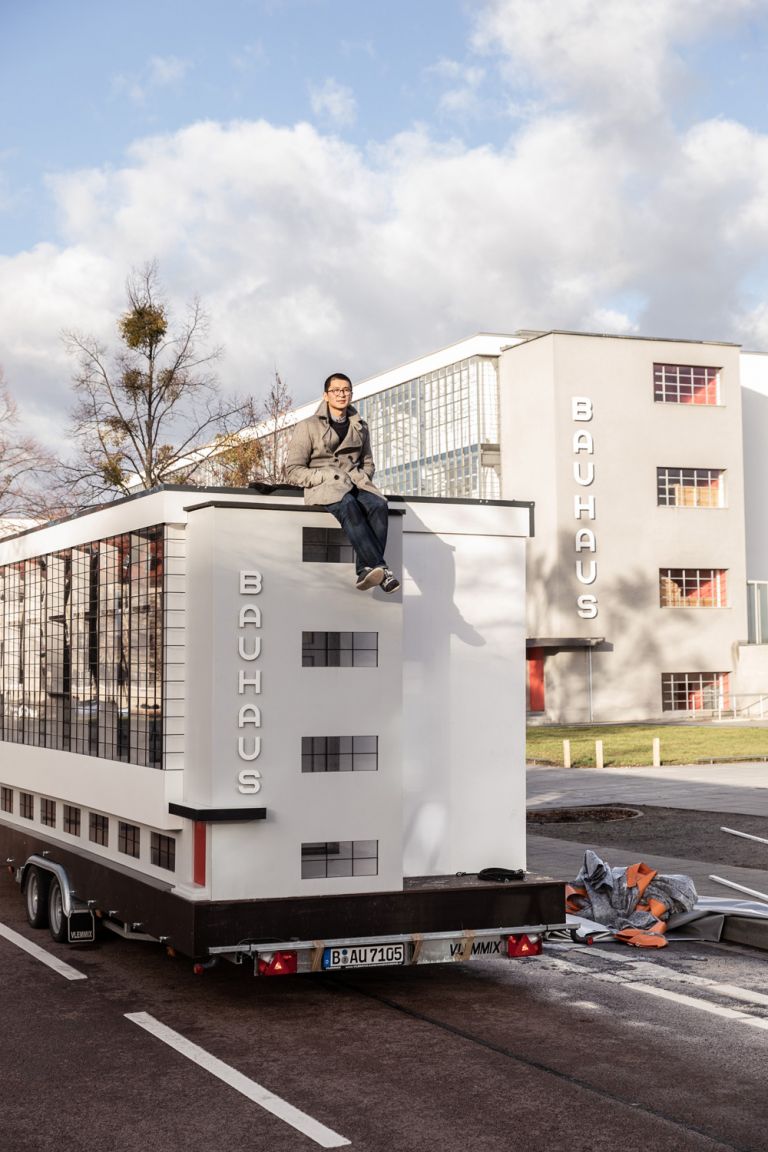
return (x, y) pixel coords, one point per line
(702, 1005)
(663, 973)
(255, 1092)
(653, 973)
(63, 969)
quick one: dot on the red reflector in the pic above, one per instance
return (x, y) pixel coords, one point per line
(524, 945)
(279, 964)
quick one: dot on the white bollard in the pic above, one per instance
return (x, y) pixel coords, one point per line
(656, 752)
(566, 753)
(598, 753)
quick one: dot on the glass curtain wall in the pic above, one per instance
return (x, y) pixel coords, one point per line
(81, 644)
(438, 434)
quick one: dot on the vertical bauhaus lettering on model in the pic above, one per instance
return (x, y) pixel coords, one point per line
(249, 681)
(584, 505)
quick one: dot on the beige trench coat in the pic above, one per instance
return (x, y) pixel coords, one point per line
(327, 471)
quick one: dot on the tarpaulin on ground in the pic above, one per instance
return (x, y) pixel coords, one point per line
(636, 902)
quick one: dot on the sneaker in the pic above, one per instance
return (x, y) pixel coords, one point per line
(370, 578)
(390, 583)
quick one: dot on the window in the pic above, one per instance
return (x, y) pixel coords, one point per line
(757, 611)
(128, 839)
(327, 546)
(693, 588)
(686, 384)
(339, 649)
(48, 812)
(71, 820)
(27, 805)
(339, 858)
(694, 691)
(6, 799)
(81, 639)
(163, 849)
(691, 487)
(98, 829)
(339, 753)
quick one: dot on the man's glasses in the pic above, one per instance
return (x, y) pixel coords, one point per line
(339, 391)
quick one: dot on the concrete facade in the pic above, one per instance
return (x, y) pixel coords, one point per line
(608, 646)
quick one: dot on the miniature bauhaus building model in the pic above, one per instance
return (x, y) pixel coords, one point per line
(194, 690)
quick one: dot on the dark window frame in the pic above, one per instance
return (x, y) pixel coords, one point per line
(340, 649)
(333, 859)
(163, 851)
(339, 754)
(129, 839)
(326, 546)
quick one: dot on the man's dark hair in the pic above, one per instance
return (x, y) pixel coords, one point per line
(336, 376)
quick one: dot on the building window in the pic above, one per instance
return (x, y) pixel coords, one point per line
(686, 384)
(757, 611)
(339, 858)
(694, 691)
(438, 434)
(693, 587)
(6, 799)
(128, 839)
(163, 849)
(27, 805)
(98, 829)
(326, 546)
(690, 487)
(81, 632)
(339, 753)
(48, 812)
(339, 649)
(71, 820)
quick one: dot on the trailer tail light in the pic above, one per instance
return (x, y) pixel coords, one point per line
(524, 945)
(278, 963)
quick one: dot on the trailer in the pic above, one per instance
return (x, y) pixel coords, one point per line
(210, 739)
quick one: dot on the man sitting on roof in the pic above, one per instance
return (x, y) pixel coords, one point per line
(330, 458)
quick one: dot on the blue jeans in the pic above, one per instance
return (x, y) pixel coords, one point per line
(364, 517)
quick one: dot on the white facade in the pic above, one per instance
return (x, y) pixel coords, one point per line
(607, 641)
(444, 697)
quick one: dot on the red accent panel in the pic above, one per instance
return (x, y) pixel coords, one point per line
(198, 869)
(535, 665)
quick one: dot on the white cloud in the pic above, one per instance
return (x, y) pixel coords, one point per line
(311, 254)
(333, 103)
(159, 72)
(617, 58)
(463, 96)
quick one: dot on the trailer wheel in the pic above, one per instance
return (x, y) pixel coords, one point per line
(57, 921)
(36, 898)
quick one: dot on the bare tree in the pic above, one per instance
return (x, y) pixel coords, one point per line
(258, 455)
(24, 467)
(147, 413)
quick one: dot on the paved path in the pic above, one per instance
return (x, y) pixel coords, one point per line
(731, 788)
(705, 787)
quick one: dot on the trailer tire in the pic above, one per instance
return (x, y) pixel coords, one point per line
(57, 921)
(36, 898)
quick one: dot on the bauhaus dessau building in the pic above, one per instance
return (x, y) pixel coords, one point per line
(646, 460)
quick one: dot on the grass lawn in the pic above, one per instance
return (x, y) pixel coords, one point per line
(625, 744)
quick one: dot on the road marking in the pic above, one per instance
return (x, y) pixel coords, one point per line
(658, 972)
(696, 1002)
(63, 969)
(255, 1092)
(702, 1005)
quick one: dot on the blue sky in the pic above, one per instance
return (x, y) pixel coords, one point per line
(348, 184)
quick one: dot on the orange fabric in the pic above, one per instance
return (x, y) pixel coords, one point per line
(639, 938)
(639, 876)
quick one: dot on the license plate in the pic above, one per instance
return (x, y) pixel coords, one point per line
(363, 955)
